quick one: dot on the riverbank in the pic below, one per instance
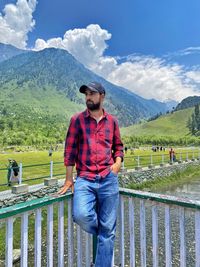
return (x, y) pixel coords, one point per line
(178, 178)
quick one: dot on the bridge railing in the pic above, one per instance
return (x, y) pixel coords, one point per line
(153, 230)
(157, 230)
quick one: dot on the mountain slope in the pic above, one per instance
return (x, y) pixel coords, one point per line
(9, 51)
(39, 93)
(173, 124)
(188, 102)
(35, 71)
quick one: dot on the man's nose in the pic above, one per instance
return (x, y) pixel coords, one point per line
(87, 97)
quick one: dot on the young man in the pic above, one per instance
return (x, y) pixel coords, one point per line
(93, 143)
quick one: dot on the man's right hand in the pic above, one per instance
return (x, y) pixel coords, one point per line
(67, 185)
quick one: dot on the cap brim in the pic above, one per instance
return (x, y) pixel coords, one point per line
(84, 87)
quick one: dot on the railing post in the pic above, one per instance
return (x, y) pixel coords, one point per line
(24, 240)
(180, 156)
(70, 236)
(61, 234)
(155, 235)
(197, 238)
(94, 248)
(193, 155)
(132, 232)
(20, 173)
(142, 234)
(182, 237)
(168, 252)
(51, 169)
(121, 231)
(151, 162)
(9, 242)
(38, 237)
(187, 159)
(138, 163)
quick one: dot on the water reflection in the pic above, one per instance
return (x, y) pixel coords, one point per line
(190, 189)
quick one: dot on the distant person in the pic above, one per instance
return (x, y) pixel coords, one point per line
(50, 151)
(9, 166)
(126, 149)
(15, 168)
(172, 156)
(13, 171)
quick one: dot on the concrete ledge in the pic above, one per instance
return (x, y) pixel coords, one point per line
(162, 164)
(138, 168)
(123, 170)
(151, 166)
(50, 181)
(180, 161)
(19, 189)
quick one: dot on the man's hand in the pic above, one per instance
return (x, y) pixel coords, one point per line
(115, 167)
(67, 185)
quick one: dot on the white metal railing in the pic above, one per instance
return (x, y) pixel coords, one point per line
(153, 230)
(69, 236)
(173, 226)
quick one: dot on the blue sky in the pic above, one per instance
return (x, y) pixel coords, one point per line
(151, 47)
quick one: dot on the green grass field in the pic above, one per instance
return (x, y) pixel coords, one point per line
(167, 125)
(37, 164)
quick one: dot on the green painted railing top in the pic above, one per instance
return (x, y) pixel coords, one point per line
(32, 204)
(166, 199)
(41, 202)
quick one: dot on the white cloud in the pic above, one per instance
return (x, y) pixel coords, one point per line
(152, 78)
(146, 76)
(194, 75)
(86, 45)
(16, 22)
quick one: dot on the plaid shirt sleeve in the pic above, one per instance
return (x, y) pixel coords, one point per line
(117, 146)
(71, 143)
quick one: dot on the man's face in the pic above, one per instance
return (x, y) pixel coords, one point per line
(93, 100)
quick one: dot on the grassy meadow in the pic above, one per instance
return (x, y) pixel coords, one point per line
(36, 164)
(172, 124)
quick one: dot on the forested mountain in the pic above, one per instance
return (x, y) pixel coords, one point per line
(188, 102)
(8, 51)
(39, 93)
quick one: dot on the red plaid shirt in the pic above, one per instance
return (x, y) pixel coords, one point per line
(92, 146)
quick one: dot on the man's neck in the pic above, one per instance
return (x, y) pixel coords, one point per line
(96, 114)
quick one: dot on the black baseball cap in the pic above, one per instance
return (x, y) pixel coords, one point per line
(94, 87)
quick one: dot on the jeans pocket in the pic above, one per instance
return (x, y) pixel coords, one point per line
(114, 173)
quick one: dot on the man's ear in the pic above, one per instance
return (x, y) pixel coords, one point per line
(102, 96)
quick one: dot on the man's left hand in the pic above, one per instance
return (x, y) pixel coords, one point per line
(115, 167)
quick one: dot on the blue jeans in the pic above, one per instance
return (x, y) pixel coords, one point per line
(95, 206)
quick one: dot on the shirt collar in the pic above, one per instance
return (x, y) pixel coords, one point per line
(87, 114)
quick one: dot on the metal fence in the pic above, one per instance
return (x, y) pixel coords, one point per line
(153, 230)
(28, 173)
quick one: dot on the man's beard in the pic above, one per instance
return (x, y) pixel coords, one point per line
(91, 106)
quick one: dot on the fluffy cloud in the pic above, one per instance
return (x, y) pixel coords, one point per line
(153, 78)
(146, 76)
(194, 75)
(16, 22)
(86, 45)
